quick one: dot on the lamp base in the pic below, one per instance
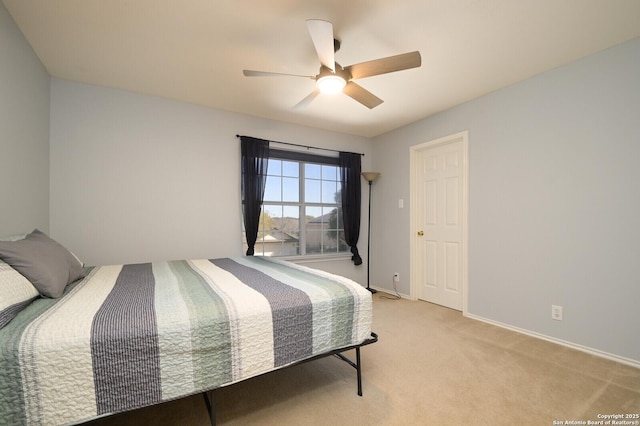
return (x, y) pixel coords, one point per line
(372, 290)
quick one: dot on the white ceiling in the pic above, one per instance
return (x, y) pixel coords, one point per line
(195, 50)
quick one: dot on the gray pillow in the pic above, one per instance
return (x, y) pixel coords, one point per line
(48, 265)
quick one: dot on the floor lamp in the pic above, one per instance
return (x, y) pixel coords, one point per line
(369, 177)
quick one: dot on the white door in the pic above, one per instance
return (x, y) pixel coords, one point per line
(439, 224)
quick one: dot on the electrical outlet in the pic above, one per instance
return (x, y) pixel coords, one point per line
(396, 277)
(556, 312)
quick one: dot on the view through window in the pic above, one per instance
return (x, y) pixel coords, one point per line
(301, 212)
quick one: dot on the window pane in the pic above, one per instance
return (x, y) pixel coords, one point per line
(340, 218)
(271, 210)
(330, 235)
(331, 218)
(290, 189)
(290, 169)
(342, 244)
(290, 223)
(330, 173)
(270, 217)
(313, 234)
(274, 167)
(312, 171)
(273, 189)
(281, 231)
(312, 214)
(330, 192)
(330, 242)
(258, 248)
(313, 242)
(292, 212)
(312, 191)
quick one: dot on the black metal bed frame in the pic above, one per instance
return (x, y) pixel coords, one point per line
(209, 397)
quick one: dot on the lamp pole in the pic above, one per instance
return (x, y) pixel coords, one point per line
(370, 177)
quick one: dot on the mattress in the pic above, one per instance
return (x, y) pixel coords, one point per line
(128, 336)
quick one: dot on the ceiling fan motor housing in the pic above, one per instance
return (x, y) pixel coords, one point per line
(340, 72)
(330, 82)
(336, 45)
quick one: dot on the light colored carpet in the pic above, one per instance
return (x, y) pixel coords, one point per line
(431, 366)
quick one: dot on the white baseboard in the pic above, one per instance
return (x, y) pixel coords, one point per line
(591, 351)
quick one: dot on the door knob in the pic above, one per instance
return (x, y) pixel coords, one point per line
(420, 233)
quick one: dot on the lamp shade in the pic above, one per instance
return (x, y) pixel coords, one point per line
(370, 176)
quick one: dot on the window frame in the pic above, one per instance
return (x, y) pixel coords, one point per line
(304, 158)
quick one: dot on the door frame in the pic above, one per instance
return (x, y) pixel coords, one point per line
(414, 152)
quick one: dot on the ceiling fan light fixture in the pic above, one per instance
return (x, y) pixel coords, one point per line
(331, 84)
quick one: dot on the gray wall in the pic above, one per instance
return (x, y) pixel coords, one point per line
(136, 178)
(24, 133)
(554, 201)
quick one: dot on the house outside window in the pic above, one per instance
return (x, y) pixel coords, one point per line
(301, 210)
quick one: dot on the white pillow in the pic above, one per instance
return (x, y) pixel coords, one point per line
(13, 237)
(16, 292)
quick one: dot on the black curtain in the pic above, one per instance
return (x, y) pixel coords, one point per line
(255, 158)
(351, 196)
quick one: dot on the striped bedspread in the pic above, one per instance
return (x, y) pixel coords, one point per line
(128, 336)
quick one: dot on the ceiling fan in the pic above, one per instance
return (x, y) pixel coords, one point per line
(334, 78)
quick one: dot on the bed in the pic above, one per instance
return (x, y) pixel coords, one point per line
(121, 337)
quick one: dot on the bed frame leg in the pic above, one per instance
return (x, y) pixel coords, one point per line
(359, 371)
(357, 365)
(210, 401)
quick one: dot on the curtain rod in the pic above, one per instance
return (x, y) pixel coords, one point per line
(307, 146)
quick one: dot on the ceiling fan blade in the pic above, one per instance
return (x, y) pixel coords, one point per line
(361, 95)
(385, 65)
(251, 73)
(307, 100)
(322, 36)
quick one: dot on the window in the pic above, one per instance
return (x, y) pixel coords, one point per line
(301, 213)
